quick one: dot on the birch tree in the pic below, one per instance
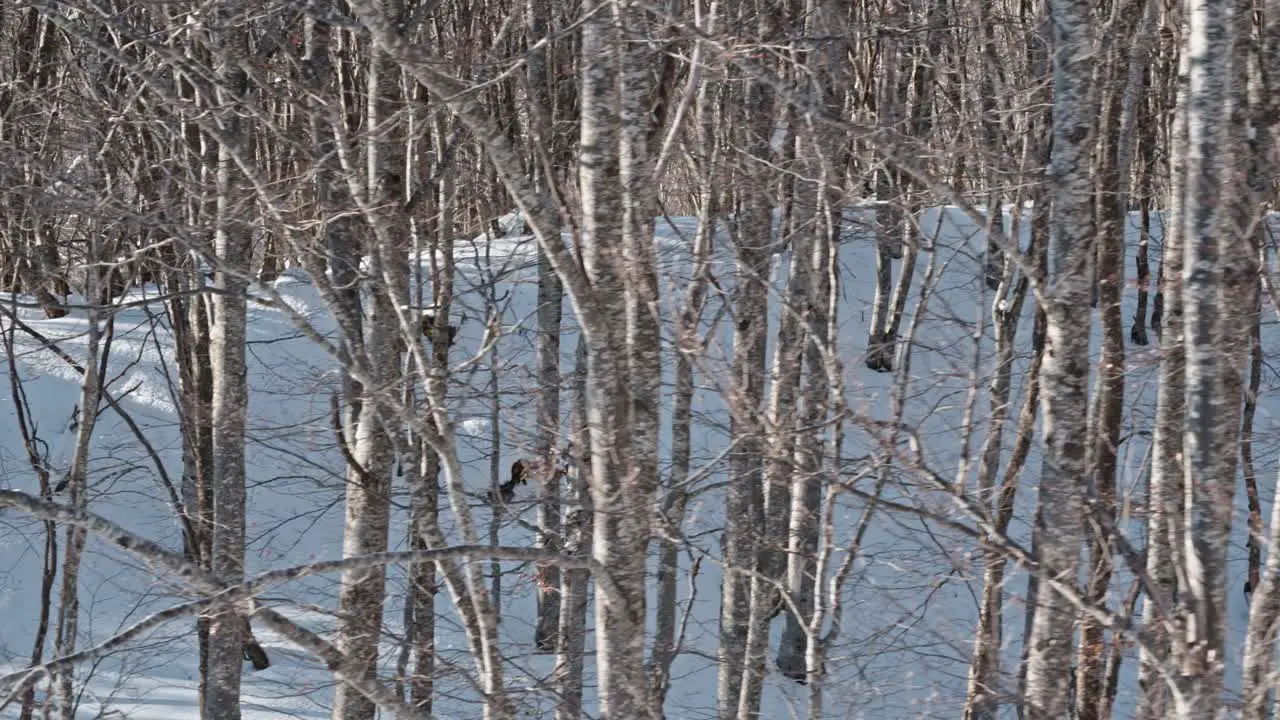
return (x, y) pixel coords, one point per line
(1064, 371)
(1213, 397)
(372, 452)
(550, 298)
(230, 388)
(76, 482)
(622, 340)
(821, 151)
(709, 113)
(1264, 610)
(1165, 486)
(425, 488)
(1111, 205)
(752, 238)
(1208, 492)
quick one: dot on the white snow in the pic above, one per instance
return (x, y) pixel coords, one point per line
(909, 609)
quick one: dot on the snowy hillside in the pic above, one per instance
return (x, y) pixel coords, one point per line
(909, 608)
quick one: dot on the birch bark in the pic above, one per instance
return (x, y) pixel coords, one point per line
(622, 344)
(1208, 469)
(1064, 372)
(824, 161)
(232, 247)
(373, 449)
(1105, 429)
(1264, 611)
(578, 528)
(1164, 492)
(77, 486)
(752, 238)
(550, 300)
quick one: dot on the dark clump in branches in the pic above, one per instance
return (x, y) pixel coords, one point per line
(429, 329)
(507, 490)
(253, 650)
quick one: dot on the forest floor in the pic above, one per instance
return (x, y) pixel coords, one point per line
(910, 607)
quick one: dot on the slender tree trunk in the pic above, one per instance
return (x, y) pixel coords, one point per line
(201, 397)
(806, 485)
(639, 111)
(1264, 610)
(192, 335)
(1212, 372)
(341, 243)
(982, 696)
(30, 437)
(578, 528)
(688, 347)
(189, 321)
(498, 506)
(1040, 215)
(361, 596)
(425, 521)
(368, 501)
(779, 469)
(890, 216)
(988, 99)
(1111, 221)
(622, 343)
(1065, 371)
(423, 584)
(1138, 331)
(550, 300)
(826, 594)
(232, 247)
(1257, 101)
(1264, 617)
(68, 624)
(822, 151)
(1139, 137)
(752, 238)
(770, 514)
(1248, 469)
(743, 504)
(1165, 487)
(1261, 588)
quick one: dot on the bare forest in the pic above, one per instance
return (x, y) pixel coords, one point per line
(639, 360)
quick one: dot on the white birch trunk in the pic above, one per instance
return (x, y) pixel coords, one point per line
(779, 469)
(689, 347)
(1065, 369)
(806, 485)
(1260, 643)
(230, 406)
(1106, 426)
(360, 599)
(550, 300)
(1165, 494)
(578, 527)
(622, 344)
(753, 242)
(368, 501)
(824, 154)
(77, 491)
(1208, 473)
(982, 694)
(1264, 611)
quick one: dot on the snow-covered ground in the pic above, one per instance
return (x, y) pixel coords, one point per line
(909, 609)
